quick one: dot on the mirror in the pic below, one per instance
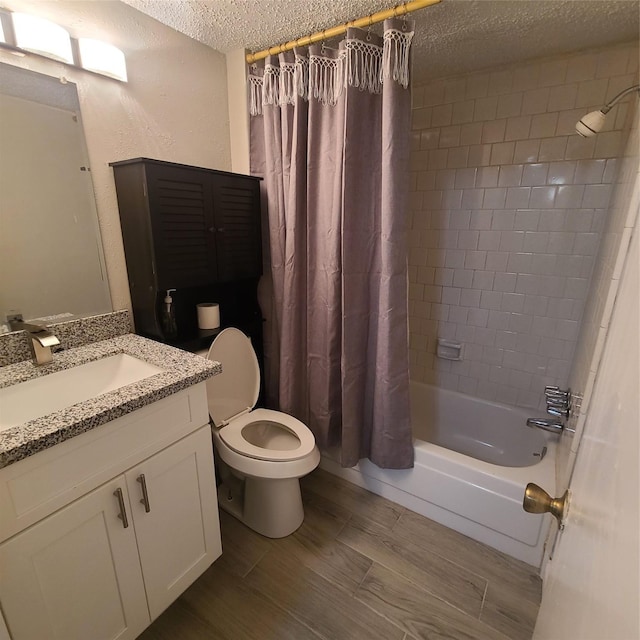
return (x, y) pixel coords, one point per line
(51, 258)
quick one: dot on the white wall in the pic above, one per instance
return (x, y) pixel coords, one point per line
(238, 112)
(174, 106)
(622, 219)
(508, 205)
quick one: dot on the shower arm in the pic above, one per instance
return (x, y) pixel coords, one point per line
(612, 103)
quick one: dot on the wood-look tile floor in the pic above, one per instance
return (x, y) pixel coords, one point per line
(360, 566)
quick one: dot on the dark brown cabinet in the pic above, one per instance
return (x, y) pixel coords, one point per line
(185, 227)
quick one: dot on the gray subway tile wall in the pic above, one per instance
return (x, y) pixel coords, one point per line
(507, 208)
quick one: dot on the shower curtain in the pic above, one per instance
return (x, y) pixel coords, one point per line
(330, 136)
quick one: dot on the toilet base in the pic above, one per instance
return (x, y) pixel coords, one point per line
(271, 507)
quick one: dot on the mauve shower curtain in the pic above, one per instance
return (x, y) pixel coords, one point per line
(330, 136)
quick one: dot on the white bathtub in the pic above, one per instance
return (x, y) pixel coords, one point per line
(478, 498)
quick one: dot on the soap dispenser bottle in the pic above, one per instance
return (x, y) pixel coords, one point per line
(168, 317)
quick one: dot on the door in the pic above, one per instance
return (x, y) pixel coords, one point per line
(184, 234)
(591, 590)
(76, 574)
(236, 201)
(175, 511)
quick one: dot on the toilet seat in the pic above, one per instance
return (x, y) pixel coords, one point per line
(233, 437)
(234, 391)
(232, 395)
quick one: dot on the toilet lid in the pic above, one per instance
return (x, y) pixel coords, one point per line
(236, 389)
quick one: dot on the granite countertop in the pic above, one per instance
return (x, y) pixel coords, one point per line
(181, 370)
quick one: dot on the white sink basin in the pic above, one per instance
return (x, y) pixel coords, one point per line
(42, 396)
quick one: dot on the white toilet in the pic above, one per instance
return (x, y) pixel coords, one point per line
(261, 454)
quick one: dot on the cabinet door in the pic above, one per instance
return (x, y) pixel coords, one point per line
(179, 535)
(76, 574)
(236, 202)
(181, 206)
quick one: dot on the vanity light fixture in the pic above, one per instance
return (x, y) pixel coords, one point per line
(22, 33)
(42, 37)
(103, 58)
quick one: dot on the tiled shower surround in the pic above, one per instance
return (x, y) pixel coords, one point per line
(507, 208)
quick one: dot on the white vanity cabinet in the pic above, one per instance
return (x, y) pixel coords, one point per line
(112, 559)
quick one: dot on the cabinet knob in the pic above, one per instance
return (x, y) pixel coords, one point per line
(211, 229)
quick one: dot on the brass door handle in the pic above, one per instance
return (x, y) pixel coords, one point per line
(537, 500)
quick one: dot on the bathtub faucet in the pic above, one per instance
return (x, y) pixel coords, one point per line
(548, 425)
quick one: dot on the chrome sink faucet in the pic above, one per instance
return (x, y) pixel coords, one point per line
(40, 339)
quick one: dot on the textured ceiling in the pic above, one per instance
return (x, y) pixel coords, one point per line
(452, 37)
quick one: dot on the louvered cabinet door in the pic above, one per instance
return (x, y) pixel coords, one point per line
(181, 206)
(236, 205)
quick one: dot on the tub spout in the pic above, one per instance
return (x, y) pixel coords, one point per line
(548, 425)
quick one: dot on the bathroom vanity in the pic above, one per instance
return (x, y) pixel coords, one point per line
(108, 506)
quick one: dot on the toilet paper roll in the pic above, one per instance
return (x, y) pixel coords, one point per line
(208, 315)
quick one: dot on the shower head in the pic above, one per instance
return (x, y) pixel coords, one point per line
(590, 124)
(593, 122)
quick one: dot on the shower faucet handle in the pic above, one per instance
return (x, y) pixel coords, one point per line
(559, 412)
(558, 401)
(556, 392)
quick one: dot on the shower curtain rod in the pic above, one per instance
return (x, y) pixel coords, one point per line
(367, 21)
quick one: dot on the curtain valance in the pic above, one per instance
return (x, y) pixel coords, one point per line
(363, 60)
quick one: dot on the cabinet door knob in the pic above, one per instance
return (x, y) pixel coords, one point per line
(211, 229)
(145, 496)
(123, 512)
(221, 230)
